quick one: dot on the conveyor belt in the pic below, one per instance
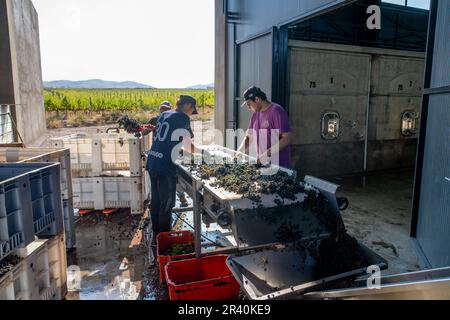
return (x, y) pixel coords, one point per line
(258, 224)
(281, 268)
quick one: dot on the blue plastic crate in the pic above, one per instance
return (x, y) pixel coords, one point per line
(30, 203)
(16, 215)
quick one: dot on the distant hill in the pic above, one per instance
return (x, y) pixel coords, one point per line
(203, 86)
(95, 84)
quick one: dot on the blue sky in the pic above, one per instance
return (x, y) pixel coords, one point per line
(163, 43)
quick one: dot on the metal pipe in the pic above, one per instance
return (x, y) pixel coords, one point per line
(366, 140)
(196, 186)
(429, 91)
(14, 131)
(256, 36)
(12, 114)
(236, 70)
(182, 210)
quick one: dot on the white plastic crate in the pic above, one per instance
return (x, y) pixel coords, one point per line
(41, 271)
(109, 193)
(7, 288)
(57, 260)
(23, 281)
(30, 155)
(92, 157)
(40, 275)
(18, 284)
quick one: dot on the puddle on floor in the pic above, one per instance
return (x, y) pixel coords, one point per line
(115, 262)
(110, 256)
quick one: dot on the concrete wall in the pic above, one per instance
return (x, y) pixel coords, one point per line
(321, 81)
(25, 66)
(345, 79)
(396, 87)
(6, 77)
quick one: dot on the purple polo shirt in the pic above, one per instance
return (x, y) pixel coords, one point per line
(262, 124)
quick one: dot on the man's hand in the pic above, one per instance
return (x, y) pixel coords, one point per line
(238, 156)
(264, 159)
(147, 129)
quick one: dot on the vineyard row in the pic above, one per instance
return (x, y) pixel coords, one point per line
(119, 99)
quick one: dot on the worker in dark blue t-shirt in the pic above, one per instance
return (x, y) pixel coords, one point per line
(173, 127)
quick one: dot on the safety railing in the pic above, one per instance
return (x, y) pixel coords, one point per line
(8, 128)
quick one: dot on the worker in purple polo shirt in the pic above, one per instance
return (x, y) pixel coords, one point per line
(268, 118)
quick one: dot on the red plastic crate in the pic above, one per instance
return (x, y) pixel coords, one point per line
(163, 243)
(201, 279)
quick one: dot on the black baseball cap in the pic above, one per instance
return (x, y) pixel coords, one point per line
(188, 99)
(252, 93)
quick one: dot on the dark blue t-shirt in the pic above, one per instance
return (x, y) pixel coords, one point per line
(172, 125)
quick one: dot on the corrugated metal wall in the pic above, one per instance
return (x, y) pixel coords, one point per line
(257, 16)
(255, 69)
(433, 223)
(434, 215)
(441, 58)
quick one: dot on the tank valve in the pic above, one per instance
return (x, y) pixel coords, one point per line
(343, 203)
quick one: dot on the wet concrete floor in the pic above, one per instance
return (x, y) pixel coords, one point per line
(112, 256)
(115, 258)
(379, 216)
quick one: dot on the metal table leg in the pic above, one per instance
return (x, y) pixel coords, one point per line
(196, 198)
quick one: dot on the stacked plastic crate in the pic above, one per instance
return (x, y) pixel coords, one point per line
(41, 155)
(32, 248)
(107, 171)
(37, 272)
